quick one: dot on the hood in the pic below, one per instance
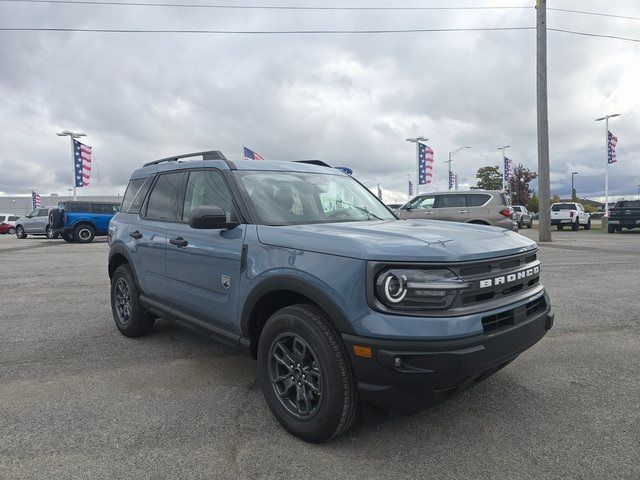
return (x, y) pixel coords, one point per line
(399, 240)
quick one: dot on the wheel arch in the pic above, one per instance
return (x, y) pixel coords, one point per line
(278, 292)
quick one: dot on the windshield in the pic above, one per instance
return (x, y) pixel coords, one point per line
(294, 198)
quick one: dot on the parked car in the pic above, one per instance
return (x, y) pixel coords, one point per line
(6, 228)
(9, 218)
(523, 216)
(624, 214)
(82, 221)
(35, 223)
(482, 207)
(570, 214)
(303, 268)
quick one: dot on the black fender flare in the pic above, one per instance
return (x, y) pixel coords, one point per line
(296, 285)
(120, 249)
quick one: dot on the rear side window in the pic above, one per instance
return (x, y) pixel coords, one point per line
(450, 201)
(207, 188)
(621, 204)
(163, 198)
(103, 208)
(130, 193)
(477, 199)
(77, 207)
(12, 218)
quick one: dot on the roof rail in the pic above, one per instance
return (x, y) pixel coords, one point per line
(319, 163)
(207, 155)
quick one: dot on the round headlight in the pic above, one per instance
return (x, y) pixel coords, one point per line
(394, 287)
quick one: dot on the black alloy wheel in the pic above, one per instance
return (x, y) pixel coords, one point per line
(129, 315)
(295, 375)
(51, 234)
(84, 233)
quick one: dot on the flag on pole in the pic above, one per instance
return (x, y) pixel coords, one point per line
(379, 193)
(611, 148)
(507, 169)
(36, 200)
(410, 188)
(425, 164)
(82, 157)
(251, 155)
(452, 179)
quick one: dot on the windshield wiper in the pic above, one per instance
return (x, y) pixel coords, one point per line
(362, 209)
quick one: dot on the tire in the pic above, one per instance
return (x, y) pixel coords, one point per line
(11, 231)
(576, 226)
(520, 225)
(68, 236)
(611, 228)
(530, 224)
(84, 233)
(305, 328)
(20, 233)
(128, 314)
(588, 225)
(51, 234)
(559, 227)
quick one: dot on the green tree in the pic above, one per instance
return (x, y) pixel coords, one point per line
(489, 178)
(555, 199)
(534, 204)
(574, 197)
(519, 184)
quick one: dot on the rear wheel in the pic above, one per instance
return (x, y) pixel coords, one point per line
(576, 226)
(12, 230)
(20, 233)
(51, 234)
(84, 233)
(559, 227)
(128, 314)
(588, 225)
(306, 375)
(68, 236)
(530, 224)
(611, 228)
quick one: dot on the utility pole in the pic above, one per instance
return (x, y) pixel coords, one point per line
(417, 141)
(451, 155)
(544, 232)
(72, 135)
(606, 152)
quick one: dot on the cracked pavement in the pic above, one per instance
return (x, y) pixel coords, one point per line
(78, 400)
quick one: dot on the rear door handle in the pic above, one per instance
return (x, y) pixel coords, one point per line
(179, 241)
(137, 235)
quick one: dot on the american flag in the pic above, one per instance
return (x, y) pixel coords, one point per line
(36, 200)
(507, 169)
(425, 164)
(410, 188)
(611, 148)
(251, 155)
(452, 180)
(82, 160)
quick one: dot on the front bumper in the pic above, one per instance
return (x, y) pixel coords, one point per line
(407, 376)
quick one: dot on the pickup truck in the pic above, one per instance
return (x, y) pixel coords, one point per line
(570, 214)
(625, 213)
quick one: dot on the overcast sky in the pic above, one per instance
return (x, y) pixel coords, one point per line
(345, 99)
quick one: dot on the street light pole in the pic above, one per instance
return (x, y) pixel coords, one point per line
(572, 186)
(451, 155)
(72, 135)
(606, 152)
(417, 141)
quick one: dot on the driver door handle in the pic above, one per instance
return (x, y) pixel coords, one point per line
(179, 241)
(137, 235)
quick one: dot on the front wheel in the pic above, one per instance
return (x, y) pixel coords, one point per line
(12, 230)
(20, 233)
(50, 232)
(306, 375)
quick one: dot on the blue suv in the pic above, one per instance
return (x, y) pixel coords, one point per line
(82, 221)
(303, 268)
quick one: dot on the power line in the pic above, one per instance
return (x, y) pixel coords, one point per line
(259, 7)
(598, 35)
(262, 32)
(582, 12)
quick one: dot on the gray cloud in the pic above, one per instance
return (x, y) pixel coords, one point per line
(349, 100)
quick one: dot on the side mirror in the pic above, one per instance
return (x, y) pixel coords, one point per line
(209, 218)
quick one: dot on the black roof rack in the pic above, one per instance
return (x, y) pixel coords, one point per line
(319, 163)
(207, 155)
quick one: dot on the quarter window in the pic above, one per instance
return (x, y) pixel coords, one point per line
(129, 195)
(162, 200)
(207, 188)
(477, 199)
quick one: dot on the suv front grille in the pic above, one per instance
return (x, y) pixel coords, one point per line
(513, 316)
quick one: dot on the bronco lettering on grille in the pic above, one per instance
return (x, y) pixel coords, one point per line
(512, 277)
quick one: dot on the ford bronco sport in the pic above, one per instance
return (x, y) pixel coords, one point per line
(340, 302)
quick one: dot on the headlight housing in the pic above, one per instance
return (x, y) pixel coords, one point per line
(417, 289)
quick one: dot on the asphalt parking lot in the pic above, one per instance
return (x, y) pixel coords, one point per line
(78, 400)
